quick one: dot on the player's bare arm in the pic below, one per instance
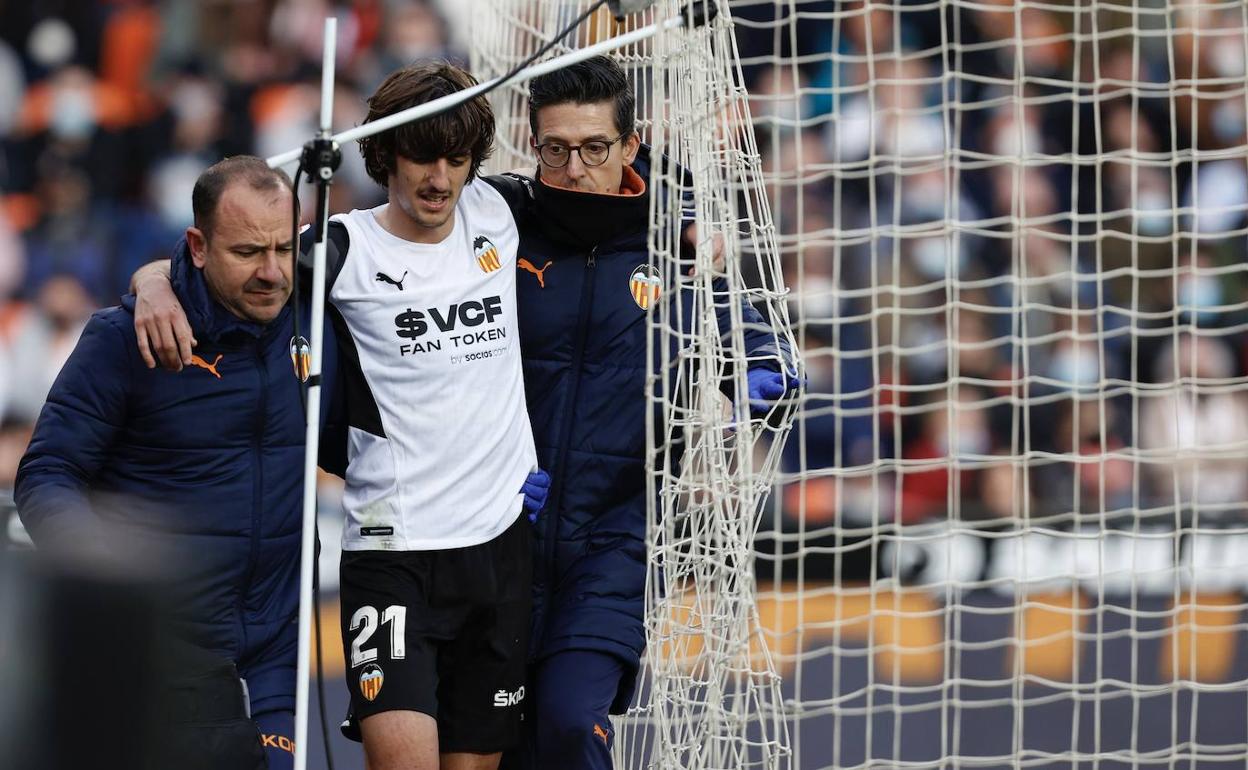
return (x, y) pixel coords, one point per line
(160, 323)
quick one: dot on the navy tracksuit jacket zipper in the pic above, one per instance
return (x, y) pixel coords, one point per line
(551, 530)
(257, 495)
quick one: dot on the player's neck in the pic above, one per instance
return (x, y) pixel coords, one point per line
(394, 220)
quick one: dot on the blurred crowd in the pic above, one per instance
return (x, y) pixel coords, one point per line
(109, 111)
(1015, 233)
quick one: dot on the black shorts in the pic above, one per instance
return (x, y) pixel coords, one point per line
(444, 633)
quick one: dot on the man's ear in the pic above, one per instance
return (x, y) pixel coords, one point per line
(631, 144)
(198, 243)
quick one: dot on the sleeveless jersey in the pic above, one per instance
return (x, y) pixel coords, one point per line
(440, 461)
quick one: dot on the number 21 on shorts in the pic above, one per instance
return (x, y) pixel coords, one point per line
(366, 620)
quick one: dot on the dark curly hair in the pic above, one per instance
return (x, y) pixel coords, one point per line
(465, 130)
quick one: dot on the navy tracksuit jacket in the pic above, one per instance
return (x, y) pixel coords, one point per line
(201, 468)
(583, 336)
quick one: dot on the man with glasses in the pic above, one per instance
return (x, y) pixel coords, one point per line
(574, 142)
(583, 339)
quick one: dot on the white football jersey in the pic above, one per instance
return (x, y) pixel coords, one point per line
(440, 461)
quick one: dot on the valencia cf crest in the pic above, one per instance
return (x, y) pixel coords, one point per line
(371, 679)
(301, 357)
(646, 285)
(487, 254)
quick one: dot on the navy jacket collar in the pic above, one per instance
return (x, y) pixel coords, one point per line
(588, 219)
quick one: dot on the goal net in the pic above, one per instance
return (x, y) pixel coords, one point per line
(1009, 526)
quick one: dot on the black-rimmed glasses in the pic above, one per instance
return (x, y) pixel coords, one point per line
(593, 153)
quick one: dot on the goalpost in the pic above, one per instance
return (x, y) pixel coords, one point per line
(1010, 525)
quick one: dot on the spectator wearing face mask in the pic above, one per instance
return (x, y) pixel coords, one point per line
(1200, 293)
(1086, 472)
(948, 433)
(41, 336)
(1191, 434)
(72, 236)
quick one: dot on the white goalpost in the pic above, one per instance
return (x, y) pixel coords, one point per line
(1009, 527)
(710, 695)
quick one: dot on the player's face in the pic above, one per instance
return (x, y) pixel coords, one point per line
(572, 125)
(246, 256)
(423, 196)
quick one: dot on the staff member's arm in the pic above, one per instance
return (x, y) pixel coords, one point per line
(772, 373)
(77, 428)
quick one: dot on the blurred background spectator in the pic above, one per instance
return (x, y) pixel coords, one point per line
(1000, 224)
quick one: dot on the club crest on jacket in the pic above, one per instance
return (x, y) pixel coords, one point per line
(646, 285)
(301, 357)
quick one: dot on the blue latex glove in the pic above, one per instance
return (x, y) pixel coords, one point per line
(767, 387)
(536, 487)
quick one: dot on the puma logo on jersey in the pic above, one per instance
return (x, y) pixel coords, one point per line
(601, 733)
(212, 367)
(525, 264)
(383, 278)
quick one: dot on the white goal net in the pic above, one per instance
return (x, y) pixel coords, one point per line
(1010, 527)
